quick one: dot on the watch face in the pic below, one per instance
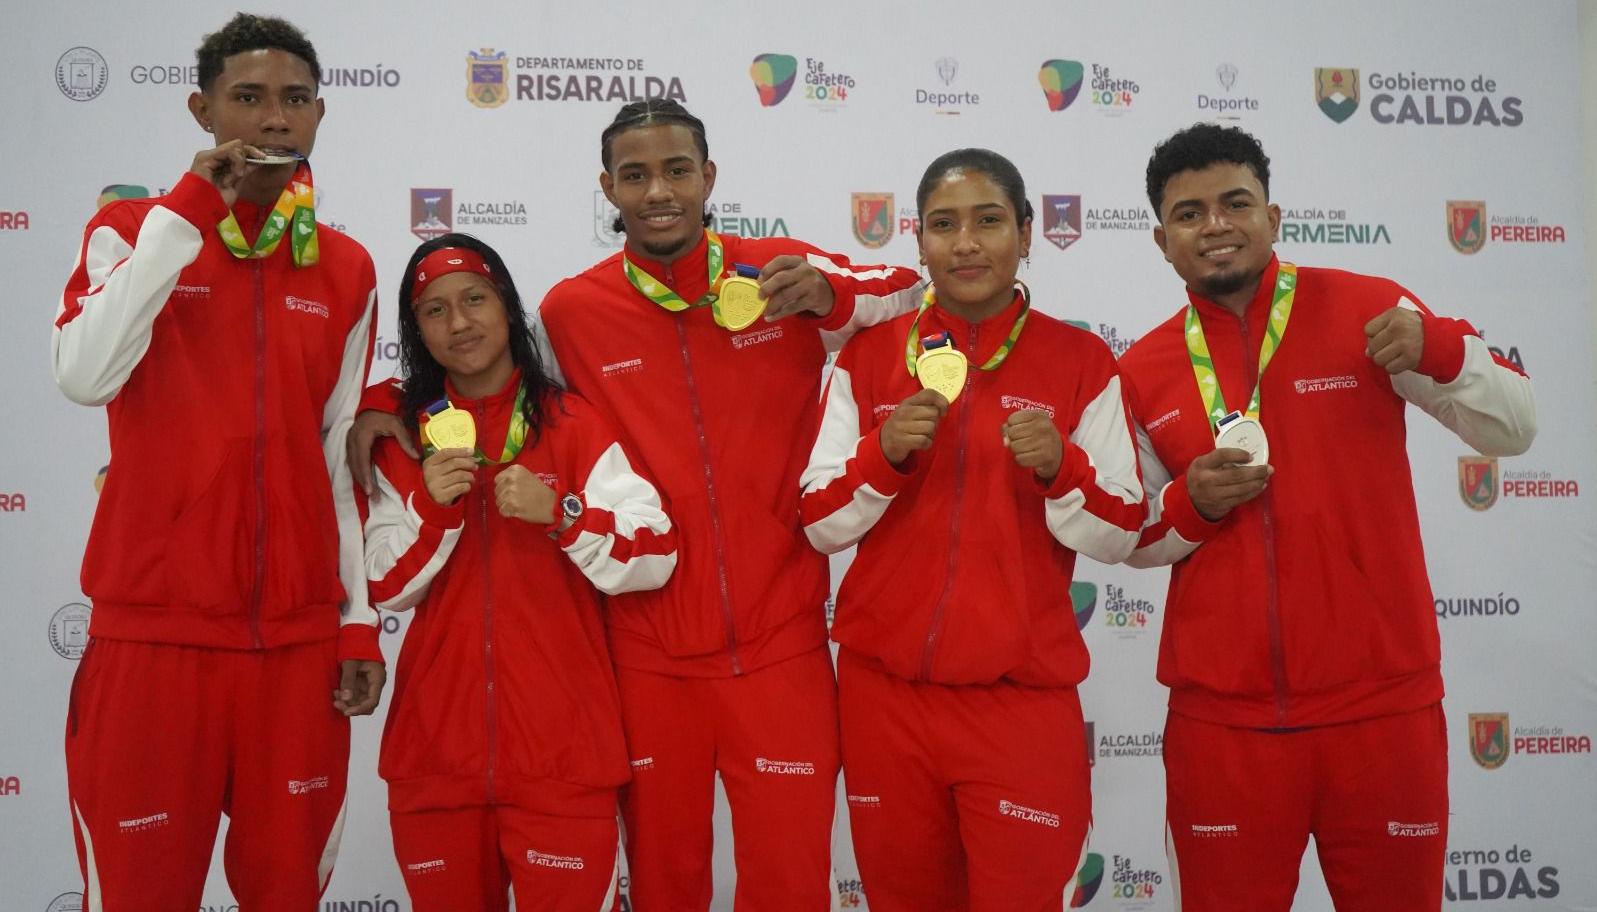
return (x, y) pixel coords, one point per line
(571, 505)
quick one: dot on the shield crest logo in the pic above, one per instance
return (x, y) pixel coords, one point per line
(487, 78)
(1092, 746)
(431, 212)
(873, 218)
(1488, 739)
(1061, 219)
(1466, 225)
(1083, 601)
(1477, 481)
(1336, 91)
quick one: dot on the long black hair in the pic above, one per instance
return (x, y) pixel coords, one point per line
(653, 112)
(424, 376)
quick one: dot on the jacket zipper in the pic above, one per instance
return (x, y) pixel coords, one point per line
(709, 484)
(953, 521)
(490, 704)
(257, 592)
(1272, 606)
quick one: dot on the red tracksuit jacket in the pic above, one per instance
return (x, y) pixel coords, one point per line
(505, 691)
(228, 516)
(722, 421)
(964, 563)
(1308, 605)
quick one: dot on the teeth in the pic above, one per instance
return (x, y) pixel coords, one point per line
(1221, 251)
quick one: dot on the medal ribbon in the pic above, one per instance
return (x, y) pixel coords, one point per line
(912, 345)
(652, 289)
(1286, 285)
(296, 209)
(515, 438)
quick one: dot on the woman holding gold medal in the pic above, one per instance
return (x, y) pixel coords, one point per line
(503, 750)
(971, 449)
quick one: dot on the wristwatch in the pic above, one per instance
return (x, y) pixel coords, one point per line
(571, 510)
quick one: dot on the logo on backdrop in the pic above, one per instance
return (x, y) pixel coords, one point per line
(14, 502)
(1469, 228)
(604, 222)
(177, 74)
(1226, 106)
(1113, 745)
(69, 630)
(1083, 600)
(1409, 98)
(489, 82)
(827, 90)
(773, 76)
(1315, 225)
(1492, 740)
(431, 212)
(1134, 887)
(1061, 219)
(66, 902)
(1466, 225)
(850, 893)
(81, 74)
(1061, 82)
(10, 785)
(1336, 91)
(1477, 874)
(113, 192)
(873, 218)
(1092, 743)
(944, 99)
(1129, 618)
(1132, 217)
(487, 78)
(13, 221)
(736, 217)
(1110, 94)
(1499, 605)
(1480, 483)
(1477, 481)
(1088, 879)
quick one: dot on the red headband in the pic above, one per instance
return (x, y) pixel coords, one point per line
(442, 262)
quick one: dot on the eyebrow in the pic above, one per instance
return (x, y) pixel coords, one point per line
(673, 160)
(261, 87)
(1228, 195)
(977, 208)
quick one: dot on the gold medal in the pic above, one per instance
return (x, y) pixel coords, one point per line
(943, 369)
(737, 304)
(451, 429)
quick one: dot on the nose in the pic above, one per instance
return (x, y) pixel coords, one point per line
(1217, 221)
(965, 241)
(274, 117)
(658, 191)
(457, 319)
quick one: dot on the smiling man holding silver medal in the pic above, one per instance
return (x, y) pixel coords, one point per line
(1300, 642)
(230, 635)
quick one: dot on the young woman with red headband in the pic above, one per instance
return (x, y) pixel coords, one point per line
(503, 750)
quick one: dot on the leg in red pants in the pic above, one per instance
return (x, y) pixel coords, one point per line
(1380, 815)
(772, 735)
(1242, 804)
(472, 858)
(162, 739)
(963, 797)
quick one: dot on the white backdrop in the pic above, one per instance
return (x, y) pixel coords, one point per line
(1515, 580)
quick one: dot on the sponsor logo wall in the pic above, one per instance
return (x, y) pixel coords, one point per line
(1440, 150)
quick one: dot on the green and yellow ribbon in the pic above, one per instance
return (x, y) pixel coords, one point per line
(654, 290)
(912, 344)
(295, 209)
(1286, 285)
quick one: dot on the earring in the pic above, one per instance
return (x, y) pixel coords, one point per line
(209, 129)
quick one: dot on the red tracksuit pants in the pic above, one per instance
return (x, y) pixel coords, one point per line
(472, 858)
(963, 797)
(772, 735)
(163, 739)
(1242, 803)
